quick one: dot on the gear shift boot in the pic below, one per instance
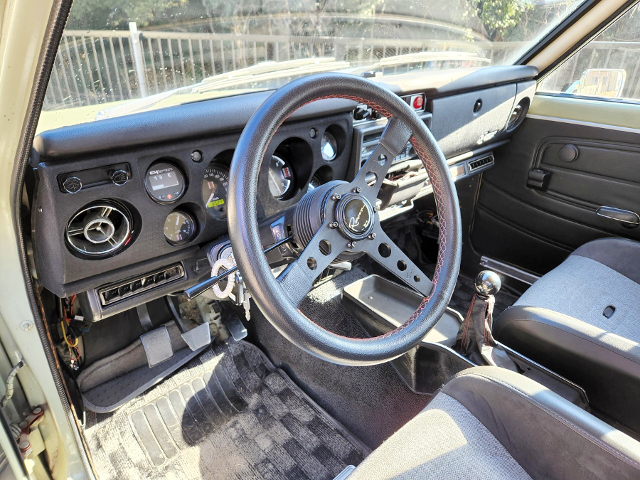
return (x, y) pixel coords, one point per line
(475, 338)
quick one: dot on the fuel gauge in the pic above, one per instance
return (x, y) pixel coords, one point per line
(179, 228)
(280, 178)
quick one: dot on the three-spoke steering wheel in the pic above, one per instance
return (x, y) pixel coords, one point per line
(341, 216)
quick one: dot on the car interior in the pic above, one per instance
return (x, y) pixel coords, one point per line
(347, 273)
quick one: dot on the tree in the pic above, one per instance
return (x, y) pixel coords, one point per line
(116, 14)
(501, 17)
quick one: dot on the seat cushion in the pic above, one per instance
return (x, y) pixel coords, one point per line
(583, 288)
(492, 423)
(582, 320)
(443, 441)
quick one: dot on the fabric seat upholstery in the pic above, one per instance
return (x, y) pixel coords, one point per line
(582, 320)
(491, 423)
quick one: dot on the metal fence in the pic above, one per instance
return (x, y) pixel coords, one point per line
(100, 66)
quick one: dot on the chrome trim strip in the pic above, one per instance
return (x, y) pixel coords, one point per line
(604, 215)
(583, 123)
(508, 270)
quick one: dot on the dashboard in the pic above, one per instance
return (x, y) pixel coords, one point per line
(124, 210)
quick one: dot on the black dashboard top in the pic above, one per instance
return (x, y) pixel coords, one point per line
(229, 114)
(191, 120)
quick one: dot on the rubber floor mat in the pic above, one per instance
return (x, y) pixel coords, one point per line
(227, 414)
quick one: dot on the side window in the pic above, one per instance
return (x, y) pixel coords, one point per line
(606, 67)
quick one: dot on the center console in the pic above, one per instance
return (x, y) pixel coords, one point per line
(381, 305)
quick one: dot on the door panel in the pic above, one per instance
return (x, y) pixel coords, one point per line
(590, 158)
(536, 229)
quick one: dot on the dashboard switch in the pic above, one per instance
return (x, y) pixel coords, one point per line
(72, 185)
(119, 177)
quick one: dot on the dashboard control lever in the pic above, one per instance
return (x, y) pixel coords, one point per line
(200, 288)
(119, 177)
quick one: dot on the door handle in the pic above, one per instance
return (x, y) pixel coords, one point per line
(629, 218)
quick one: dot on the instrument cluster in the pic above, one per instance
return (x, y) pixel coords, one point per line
(289, 173)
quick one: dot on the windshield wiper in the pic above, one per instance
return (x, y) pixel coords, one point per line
(262, 76)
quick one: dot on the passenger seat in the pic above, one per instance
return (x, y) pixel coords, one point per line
(582, 320)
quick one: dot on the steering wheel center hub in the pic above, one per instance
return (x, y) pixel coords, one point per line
(355, 216)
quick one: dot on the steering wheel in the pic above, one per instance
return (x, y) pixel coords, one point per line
(341, 217)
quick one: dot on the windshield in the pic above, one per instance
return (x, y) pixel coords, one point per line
(118, 57)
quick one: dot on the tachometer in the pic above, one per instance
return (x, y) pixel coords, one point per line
(280, 177)
(214, 190)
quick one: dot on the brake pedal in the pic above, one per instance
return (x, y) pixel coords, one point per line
(197, 337)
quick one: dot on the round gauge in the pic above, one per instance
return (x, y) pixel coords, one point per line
(214, 190)
(164, 182)
(280, 177)
(179, 228)
(328, 147)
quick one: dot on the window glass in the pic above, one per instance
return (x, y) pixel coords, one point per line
(124, 56)
(606, 67)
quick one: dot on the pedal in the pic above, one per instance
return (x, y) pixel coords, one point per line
(235, 326)
(157, 345)
(198, 337)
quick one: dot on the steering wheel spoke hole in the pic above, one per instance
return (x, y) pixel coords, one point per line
(416, 278)
(325, 247)
(402, 265)
(312, 263)
(371, 179)
(382, 159)
(384, 250)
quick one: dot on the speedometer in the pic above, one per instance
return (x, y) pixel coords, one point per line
(214, 190)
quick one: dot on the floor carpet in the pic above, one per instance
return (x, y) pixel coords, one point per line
(372, 402)
(228, 414)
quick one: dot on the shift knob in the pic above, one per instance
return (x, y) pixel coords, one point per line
(487, 283)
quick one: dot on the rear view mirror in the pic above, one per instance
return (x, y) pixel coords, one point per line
(599, 82)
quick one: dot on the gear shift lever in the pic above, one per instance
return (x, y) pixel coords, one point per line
(474, 336)
(487, 283)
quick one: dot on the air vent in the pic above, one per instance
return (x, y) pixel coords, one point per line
(479, 163)
(110, 294)
(100, 229)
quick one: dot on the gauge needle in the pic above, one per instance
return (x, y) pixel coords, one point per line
(210, 198)
(274, 180)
